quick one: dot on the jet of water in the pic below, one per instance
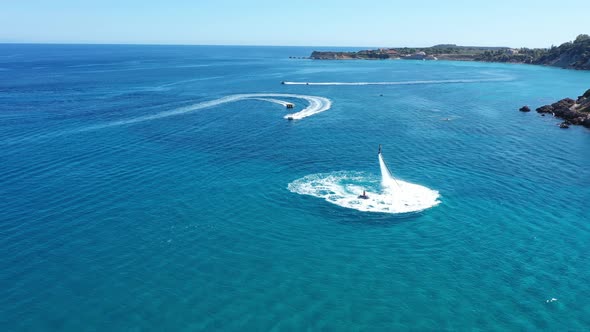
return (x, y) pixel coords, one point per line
(388, 182)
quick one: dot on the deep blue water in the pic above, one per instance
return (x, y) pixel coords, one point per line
(185, 222)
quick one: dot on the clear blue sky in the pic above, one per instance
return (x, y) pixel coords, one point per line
(532, 23)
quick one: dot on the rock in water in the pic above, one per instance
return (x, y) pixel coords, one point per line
(524, 109)
(574, 112)
(545, 109)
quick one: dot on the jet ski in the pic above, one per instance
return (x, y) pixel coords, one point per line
(364, 195)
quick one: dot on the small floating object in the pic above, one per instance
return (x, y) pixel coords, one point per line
(364, 195)
(283, 82)
(290, 118)
(289, 105)
(552, 300)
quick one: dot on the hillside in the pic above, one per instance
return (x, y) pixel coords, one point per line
(575, 55)
(442, 52)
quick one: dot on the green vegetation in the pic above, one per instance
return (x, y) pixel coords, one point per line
(574, 54)
(448, 49)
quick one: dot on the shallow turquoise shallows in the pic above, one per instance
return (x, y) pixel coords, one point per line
(136, 194)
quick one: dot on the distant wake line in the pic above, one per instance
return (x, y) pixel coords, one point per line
(316, 105)
(403, 82)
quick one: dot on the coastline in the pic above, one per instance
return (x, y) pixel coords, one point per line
(445, 58)
(573, 112)
(569, 55)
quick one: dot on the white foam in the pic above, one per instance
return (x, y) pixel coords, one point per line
(479, 80)
(343, 188)
(316, 105)
(189, 81)
(276, 101)
(387, 180)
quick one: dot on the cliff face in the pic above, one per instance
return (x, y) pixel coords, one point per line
(569, 55)
(573, 55)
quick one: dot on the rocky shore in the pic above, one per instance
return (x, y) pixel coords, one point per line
(573, 112)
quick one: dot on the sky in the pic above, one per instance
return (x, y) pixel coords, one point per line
(377, 23)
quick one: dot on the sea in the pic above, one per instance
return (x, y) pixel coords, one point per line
(169, 188)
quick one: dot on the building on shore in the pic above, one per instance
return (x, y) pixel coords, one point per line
(419, 56)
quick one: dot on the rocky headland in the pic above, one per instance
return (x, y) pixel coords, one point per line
(573, 112)
(437, 52)
(571, 55)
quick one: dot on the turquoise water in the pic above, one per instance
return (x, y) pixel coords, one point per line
(128, 205)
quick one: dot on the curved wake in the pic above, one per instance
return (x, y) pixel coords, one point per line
(343, 188)
(316, 105)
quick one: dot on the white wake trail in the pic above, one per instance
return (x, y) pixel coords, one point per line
(343, 189)
(275, 101)
(404, 82)
(385, 194)
(316, 105)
